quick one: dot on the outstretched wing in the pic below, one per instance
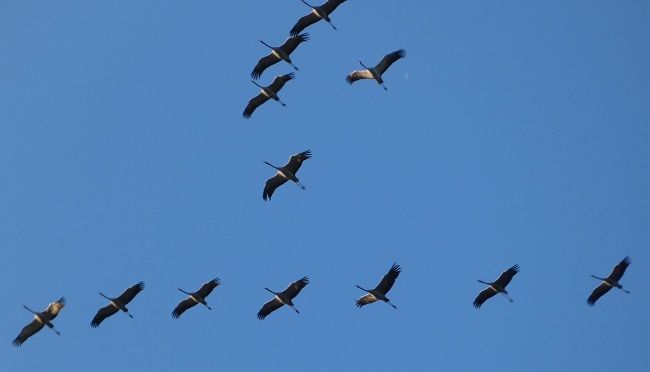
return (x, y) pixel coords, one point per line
(292, 42)
(207, 288)
(358, 75)
(295, 161)
(389, 279)
(182, 306)
(102, 314)
(506, 276)
(303, 23)
(272, 184)
(269, 307)
(254, 103)
(366, 299)
(331, 5)
(27, 332)
(263, 64)
(130, 293)
(279, 81)
(389, 59)
(294, 288)
(597, 293)
(619, 269)
(53, 309)
(483, 296)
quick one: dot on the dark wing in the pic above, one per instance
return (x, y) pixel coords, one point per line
(366, 299)
(295, 161)
(102, 314)
(263, 64)
(207, 288)
(272, 184)
(182, 306)
(597, 293)
(331, 5)
(279, 81)
(619, 269)
(292, 42)
(388, 60)
(268, 308)
(358, 75)
(294, 288)
(54, 308)
(27, 332)
(483, 296)
(506, 276)
(389, 279)
(303, 23)
(253, 104)
(130, 293)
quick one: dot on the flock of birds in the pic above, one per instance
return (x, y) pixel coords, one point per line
(286, 297)
(284, 174)
(283, 53)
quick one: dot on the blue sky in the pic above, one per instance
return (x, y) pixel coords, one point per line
(512, 132)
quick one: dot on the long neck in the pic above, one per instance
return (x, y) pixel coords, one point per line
(480, 281)
(187, 293)
(363, 289)
(307, 4)
(598, 277)
(266, 44)
(275, 293)
(271, 165)
(30, 310)
(257, 84)
(106, 297)
(364, 66)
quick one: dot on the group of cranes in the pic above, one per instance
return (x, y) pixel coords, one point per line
(283, 52)
(119, 303)
(286, 297)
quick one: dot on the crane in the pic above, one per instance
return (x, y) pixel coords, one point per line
(278, 54)
(610, 281)
(116, 304)
(41, 319)
(196, 297)
(285, 173)
(267, 92)
(497, 286)
(283, 298)
(317, 13)
(379, 292)
(377, 71)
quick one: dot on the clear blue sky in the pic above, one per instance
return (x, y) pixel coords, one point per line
(513, 132)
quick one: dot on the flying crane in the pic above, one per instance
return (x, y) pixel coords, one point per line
(116, 304)
(377, 71)
(610, 281)
(285, 173)
(497, 286)
(267, 92)
(278, 54)
(41, 319)
(317, 13)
